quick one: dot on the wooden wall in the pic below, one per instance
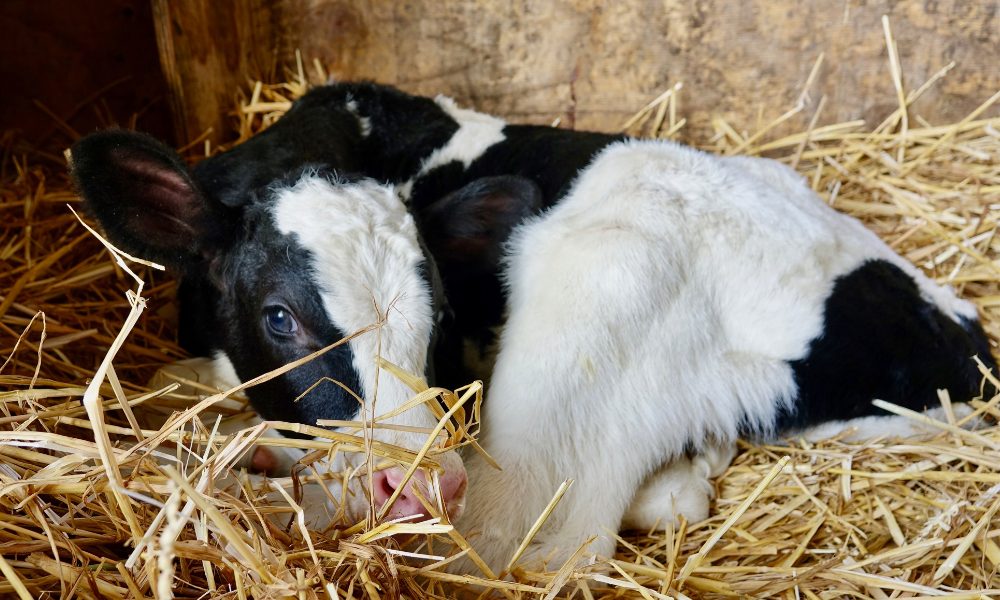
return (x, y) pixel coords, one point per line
(588, 62)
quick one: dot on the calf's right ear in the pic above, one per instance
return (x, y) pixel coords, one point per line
(468, 228)
(143, 195)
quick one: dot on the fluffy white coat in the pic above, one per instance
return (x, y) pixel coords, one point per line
(652, 308)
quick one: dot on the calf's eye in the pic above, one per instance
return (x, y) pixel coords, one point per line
(280, 320)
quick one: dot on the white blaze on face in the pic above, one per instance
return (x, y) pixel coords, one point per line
(366, 261)
(367, 266)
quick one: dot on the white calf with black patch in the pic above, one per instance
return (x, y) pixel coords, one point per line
(658, 302)
(658, 310)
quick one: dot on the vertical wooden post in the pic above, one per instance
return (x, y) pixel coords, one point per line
(208, 48)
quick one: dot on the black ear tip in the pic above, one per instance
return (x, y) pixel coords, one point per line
(106, 140)
(92, 150)
(98, 159)
(527, 187)
(111, 144)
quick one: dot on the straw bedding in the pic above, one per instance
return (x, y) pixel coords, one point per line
(104, 495)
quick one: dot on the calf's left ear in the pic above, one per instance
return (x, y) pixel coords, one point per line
(468, 227)
(143, 195)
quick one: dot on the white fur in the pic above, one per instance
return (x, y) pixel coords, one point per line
(652, 308)
(476, 133)
(364, 122)
(943, 297)
(681, 488)
(216, 372)
(887, 427)
(222, 372)
(366, 262)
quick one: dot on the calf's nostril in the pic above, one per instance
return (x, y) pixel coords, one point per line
(387, 482)
(264, 461)
(383, 486)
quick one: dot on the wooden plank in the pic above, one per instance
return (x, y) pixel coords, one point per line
(208, 49)
(592, 63)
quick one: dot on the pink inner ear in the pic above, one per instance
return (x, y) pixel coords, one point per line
(165, 190)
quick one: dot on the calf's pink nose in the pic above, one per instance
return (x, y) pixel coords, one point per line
(264, 461)
(386, 481)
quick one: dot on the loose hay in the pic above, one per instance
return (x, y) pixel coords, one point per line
(883, 519)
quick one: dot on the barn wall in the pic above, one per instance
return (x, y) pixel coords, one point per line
(210, 48)
(593, 63)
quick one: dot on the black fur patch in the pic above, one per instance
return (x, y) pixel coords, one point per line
(882, 340)
(405, 129)
(325, 136)
(273, 268)
(549, 157)
(197, 328)
(321, 130)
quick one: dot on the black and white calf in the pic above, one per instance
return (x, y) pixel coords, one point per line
(659, 302)
(287, 268)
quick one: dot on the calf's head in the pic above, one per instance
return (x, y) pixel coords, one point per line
(287, 268)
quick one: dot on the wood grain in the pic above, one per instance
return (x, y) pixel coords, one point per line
(593, 63)
(208, 49)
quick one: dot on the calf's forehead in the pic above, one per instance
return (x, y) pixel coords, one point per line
(359, 238)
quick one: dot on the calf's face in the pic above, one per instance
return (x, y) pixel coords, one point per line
(289, 269)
